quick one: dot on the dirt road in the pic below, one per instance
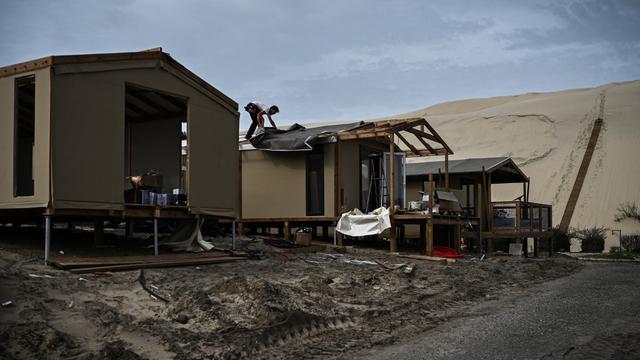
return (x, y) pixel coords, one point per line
(593, 314)
(320, 305)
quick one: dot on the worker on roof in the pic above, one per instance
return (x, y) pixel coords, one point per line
(257, 110)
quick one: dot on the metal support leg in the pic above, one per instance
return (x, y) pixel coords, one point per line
(47, 237)
(233, 235)
(155, 236)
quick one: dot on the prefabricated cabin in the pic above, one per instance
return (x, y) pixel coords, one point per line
(309, 177)
(74, 127)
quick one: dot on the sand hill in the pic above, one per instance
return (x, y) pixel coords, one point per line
(546, 134)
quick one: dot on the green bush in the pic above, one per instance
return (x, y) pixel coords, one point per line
(631, 242)
(592, 238)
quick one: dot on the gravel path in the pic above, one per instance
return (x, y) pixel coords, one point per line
(593, 314)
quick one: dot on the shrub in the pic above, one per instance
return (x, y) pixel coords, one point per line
(627, 210)
(592, 238)
(631, 242)
(560, 239)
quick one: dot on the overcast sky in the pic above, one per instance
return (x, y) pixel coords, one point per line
(338, 60)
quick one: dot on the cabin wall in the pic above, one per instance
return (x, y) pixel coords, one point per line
(88, 109)
(273, 184)
(40, 155)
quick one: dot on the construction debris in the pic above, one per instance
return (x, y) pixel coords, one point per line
(143, 283)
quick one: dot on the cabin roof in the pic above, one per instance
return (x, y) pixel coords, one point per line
(414, 136)
(115, 58)
(503, 169)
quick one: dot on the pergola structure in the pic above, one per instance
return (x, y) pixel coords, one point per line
(427, 142)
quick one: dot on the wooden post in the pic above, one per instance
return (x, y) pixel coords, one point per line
(98, 233)
(423, 236)
(155, 236)
(393, 241)
(430, 235)
(233, 235)
(518, 217)
(457, 233)
(446, 171)
(336, 180)
(239, 195)
(431, 194)
(287, 231)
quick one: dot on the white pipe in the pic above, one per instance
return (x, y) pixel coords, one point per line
(47, 237)
(155, 236)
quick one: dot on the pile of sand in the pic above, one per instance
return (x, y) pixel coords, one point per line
(546, 134)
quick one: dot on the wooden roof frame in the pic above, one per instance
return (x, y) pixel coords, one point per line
(415, 127)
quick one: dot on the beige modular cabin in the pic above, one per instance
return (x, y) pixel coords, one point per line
(471, 181)
(72, 128)
(348, 166)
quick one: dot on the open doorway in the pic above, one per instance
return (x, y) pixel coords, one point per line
(155, 147)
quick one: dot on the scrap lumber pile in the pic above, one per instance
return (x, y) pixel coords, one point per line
(123, 263)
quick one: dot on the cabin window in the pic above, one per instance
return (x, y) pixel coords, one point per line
(24, 136)
(315, 182)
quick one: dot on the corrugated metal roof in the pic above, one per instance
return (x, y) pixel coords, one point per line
(456, 166)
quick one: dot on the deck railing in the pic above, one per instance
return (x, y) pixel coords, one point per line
(519, 217)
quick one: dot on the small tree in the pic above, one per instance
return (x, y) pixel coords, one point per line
(628, 210)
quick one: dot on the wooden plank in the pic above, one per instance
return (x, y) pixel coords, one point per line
(306, 249)
(158, 264)
(409, 145)
(67, 263)
(426, 257)
(420, 135)
(440, 140)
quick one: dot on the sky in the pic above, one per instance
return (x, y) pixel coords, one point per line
(336, 60)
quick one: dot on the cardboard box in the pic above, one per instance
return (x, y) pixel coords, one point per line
(303, 238)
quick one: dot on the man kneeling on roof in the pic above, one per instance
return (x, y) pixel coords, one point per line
(257, 110)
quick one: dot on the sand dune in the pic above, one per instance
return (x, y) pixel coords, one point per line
(546, 134)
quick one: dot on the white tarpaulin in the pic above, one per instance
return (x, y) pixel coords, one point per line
(356, 223)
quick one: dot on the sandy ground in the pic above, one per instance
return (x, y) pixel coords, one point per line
(546, 134)
(322, 305)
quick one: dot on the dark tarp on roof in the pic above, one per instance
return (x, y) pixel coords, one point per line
(297, 137)
(470, 166)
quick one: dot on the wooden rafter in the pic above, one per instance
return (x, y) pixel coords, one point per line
(409, 145)
(385, 128)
